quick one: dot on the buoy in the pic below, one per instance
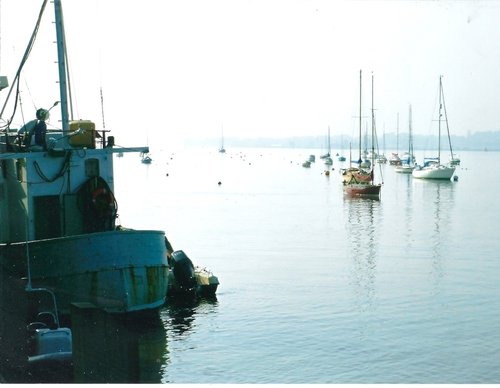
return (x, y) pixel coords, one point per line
(220, 183)
(167, 173)
(327, 172)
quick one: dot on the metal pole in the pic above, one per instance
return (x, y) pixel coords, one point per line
(63, 89)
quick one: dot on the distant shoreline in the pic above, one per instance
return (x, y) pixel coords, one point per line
(478, 141)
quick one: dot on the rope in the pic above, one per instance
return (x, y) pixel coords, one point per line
(23, 62)
(61, 172)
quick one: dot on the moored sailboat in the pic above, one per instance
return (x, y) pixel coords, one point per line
(353, 186)
(432, 167)
(222, 150)
(327, 157)
(408, 161)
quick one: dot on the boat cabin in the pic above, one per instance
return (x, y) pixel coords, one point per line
(64, 190)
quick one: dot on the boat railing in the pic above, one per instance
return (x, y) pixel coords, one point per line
(13, 141)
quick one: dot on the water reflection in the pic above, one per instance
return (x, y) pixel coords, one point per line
(361, 229)
(110, 348)
(179, 317)
(438, 200)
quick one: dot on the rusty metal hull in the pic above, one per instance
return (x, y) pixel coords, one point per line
(118, 271)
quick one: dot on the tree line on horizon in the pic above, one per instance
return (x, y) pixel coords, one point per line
(477, 141)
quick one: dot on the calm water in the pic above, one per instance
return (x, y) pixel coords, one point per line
(317, 288)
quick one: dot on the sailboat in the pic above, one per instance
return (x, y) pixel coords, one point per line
(408, 161)
(432, 167)
(353, 186)
(395, 160)
(60, 231)
(341, 157)
(327, 157)
(222, 149)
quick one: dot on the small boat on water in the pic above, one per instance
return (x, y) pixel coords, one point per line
(432, 167)
(145, 158)
(222, 150)
(327, 155)
(187, 280)
(306, 164)
(394, 159)
(454, 160)
(59, 229)
(408, 161)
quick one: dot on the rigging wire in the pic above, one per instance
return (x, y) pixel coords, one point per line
(27, 53)
(446, 121)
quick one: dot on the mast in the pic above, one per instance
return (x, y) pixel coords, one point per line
(439, 120)
(410, 141)
(359, 160)
(61, 59)
(397, 135)
(447, 125)
(329, 141)
(373, 135)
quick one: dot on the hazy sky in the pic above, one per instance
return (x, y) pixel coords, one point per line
(184, 68)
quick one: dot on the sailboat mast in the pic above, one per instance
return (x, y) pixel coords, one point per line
(397, 135)
(373, 134)
(410, 140)
(329, 147)
(63, 89)
(439, 120)
(359, 160)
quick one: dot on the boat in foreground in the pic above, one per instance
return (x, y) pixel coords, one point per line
(59, 241)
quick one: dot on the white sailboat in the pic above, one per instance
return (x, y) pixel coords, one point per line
(222, 149)
(341, 157)
(432, 168)
(408, 161)
(395, 160)
(327, 157)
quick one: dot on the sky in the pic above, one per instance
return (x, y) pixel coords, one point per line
(176, 69)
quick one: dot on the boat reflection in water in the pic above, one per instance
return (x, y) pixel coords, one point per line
(111, 348)
(362, 216)
(114, 348)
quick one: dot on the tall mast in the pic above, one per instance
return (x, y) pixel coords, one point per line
(61, 59)
(359, 160)
(410, 141)
(439, 120)
(397, 135)
(329, 147)
(373, 133)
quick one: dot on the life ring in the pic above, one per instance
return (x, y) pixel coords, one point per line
(104, 202)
